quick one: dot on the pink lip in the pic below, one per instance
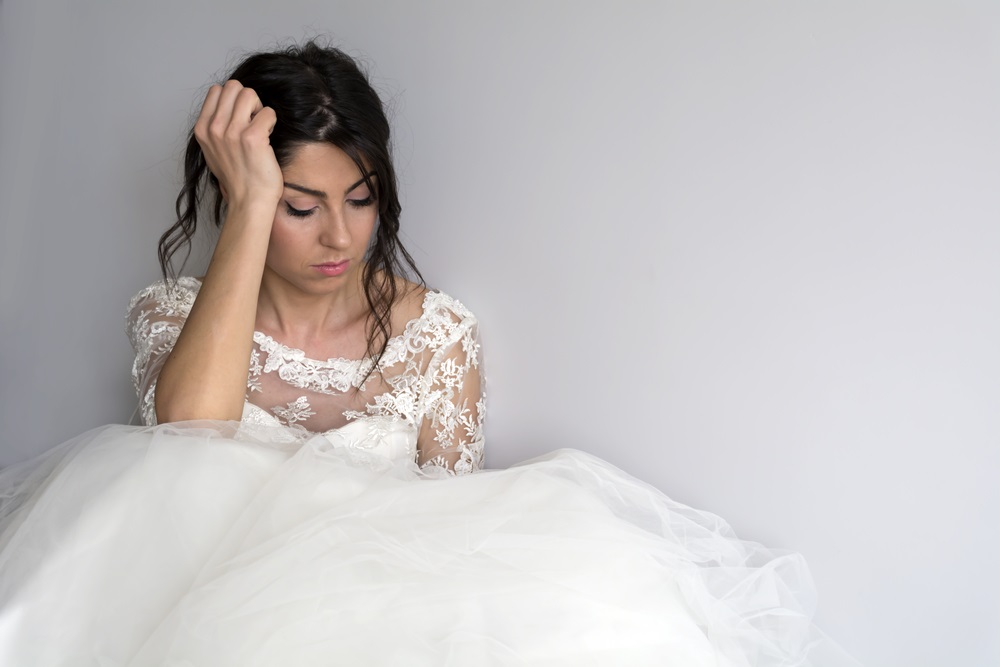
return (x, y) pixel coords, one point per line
(332, 268)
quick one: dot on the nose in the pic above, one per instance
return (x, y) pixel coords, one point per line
(334, 232)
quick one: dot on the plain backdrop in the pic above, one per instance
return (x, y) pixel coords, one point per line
(745, 250)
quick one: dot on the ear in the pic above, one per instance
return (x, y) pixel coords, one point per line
(225, 195)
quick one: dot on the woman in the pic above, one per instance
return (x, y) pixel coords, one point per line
(308, 255)
(304, 499)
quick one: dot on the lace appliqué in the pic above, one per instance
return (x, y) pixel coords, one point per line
(437, 394)
(253, 377)
(296, 411)
(324, 377)
(456, 420)
(155, 317)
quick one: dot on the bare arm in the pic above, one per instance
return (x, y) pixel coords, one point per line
(206, 373)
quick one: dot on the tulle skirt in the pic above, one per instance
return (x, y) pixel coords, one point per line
(203, 545)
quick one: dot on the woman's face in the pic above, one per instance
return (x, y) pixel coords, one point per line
(323, 223)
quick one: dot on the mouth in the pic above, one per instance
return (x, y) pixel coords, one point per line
(332, 268)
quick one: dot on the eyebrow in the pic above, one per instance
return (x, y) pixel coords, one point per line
(322, 195)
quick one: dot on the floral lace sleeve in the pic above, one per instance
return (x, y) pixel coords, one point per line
(451, 436)
(154, 321)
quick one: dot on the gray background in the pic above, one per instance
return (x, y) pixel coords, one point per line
(747, 251)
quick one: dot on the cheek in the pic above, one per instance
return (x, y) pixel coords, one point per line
(283, 243)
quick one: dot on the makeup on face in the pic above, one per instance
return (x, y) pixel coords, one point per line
(332, 268)
(324, 223)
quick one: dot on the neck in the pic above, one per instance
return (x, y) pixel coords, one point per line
(298, 316)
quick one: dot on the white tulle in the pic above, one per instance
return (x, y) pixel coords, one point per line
(221, 544)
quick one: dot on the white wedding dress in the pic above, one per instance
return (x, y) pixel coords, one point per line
(317, 532)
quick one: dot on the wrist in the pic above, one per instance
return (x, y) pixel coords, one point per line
(252, 209)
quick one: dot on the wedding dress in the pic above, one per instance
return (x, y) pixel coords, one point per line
(316, 532)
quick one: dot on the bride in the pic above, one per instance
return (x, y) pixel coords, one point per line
(302, 492)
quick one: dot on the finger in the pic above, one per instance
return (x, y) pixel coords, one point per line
(208, 108)
(224, 110)
(265, 120)
(247, 103)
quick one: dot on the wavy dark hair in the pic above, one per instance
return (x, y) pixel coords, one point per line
(318, 94)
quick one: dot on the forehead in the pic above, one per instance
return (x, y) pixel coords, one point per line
(321, 163)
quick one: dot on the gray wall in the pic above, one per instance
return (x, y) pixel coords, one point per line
(747, 251)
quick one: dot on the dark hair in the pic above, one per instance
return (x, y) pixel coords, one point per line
(318, 95)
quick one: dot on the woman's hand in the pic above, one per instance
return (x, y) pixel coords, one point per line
(233, 130)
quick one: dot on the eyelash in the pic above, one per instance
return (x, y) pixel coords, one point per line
(297, 213)
(361, 203)
(354, 203)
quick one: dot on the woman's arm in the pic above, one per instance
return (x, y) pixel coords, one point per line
(205, 375)
(451, 436)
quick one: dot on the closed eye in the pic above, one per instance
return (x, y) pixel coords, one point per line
(361, 203)
(298, 213)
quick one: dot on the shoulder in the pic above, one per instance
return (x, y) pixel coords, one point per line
(418, 304)
(179, 293)
(447, 324)
(430, 316)
(157, 313)
(441, 305)
(160, 302)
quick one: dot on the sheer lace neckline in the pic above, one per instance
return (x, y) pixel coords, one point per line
(272, 346)
(275, 347)
(335, 375)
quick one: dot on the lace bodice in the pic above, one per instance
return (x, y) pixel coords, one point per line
(427, 390)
